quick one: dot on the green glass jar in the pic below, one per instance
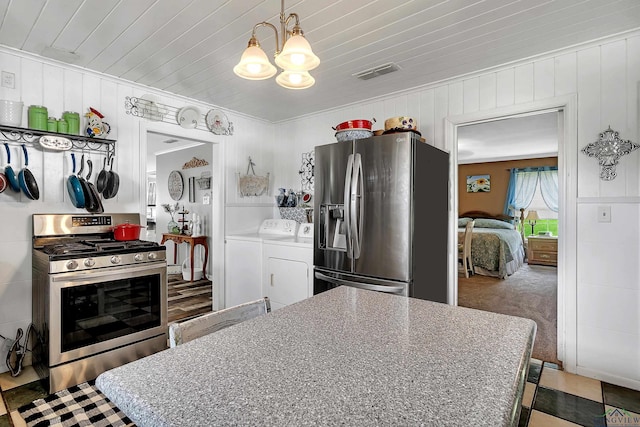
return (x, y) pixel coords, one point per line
(63, 126)
(38, 117)
(52, 125)
(73, 120)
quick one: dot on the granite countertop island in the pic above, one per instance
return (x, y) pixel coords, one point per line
(346, 356)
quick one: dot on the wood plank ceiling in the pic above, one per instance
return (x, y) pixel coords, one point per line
(189, 47)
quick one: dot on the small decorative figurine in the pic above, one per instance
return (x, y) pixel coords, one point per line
(95, 125)
(281, 198)
(291, 199)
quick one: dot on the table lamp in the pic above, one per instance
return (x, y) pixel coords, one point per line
(531, 218)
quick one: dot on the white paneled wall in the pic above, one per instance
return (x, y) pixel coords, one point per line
(60, 88)
(605, 76)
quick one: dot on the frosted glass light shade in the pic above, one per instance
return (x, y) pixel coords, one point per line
(295, 79)
(254, 65)
(297, 55)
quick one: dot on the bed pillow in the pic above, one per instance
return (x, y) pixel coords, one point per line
(493, 223)
(462, 222)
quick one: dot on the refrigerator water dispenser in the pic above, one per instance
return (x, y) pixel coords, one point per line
(333, 233)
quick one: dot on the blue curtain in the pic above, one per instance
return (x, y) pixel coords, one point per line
(522, 187)
(509, 203)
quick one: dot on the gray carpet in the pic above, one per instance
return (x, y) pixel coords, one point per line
(530, 292)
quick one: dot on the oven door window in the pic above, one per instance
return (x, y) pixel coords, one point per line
(98, 312)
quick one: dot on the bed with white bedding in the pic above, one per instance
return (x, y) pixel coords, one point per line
(496, 247)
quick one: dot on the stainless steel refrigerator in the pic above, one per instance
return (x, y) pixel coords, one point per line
(380, 216)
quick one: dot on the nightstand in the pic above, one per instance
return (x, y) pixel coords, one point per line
(542, 250)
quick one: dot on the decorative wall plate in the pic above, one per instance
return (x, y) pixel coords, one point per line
(151, 109)
(217, 122)
(176, 185)
(53, 142)
(187, 117)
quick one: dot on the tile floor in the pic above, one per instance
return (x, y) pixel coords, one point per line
(552, 398)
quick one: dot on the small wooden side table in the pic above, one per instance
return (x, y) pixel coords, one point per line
(543, 250)
(192, 241)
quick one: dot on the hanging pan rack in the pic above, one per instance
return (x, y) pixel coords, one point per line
(16, 135)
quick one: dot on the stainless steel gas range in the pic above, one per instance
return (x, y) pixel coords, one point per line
(97, 303)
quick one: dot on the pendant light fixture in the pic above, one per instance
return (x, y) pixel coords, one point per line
(293, 55)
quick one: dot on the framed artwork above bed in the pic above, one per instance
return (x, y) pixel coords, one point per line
(478, 183)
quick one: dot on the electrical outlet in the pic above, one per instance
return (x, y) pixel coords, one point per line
(604, 213)
(8, 80)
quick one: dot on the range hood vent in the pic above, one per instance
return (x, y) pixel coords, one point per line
(377, 71)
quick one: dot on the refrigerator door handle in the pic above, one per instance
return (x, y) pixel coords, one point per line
(390, 289)
(348, 178)
(357, 200)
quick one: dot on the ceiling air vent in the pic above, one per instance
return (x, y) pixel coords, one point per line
(377, 71)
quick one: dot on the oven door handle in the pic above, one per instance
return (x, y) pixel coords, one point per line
(95, 275)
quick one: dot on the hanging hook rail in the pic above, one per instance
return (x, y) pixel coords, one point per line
(32, 136)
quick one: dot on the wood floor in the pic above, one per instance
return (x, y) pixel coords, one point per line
(188, 299)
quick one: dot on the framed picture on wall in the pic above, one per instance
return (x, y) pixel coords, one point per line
(478, 183)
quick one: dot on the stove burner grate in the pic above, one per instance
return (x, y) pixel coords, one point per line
(96, 246)
(66, 248)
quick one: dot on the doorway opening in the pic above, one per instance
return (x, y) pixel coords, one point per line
(514, 245)
(566, 106)
(165, 149)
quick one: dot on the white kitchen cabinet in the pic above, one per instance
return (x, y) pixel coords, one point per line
(243, 270)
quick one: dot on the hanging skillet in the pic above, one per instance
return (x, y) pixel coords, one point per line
(4, 182)
(74, 188)
(94, 192)
(9, 172)
(27, 181)
(113, 183)
(101, 179)
(89, 201)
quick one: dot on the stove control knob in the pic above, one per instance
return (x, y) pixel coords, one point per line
(138, 257)
(115, 259)
(153, 255)
(89, 262)
(72, 265)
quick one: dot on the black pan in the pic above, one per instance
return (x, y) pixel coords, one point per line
(101, 180)
(94, 192)
(113, 183)
(90, 203)
(27, 181)
(9, 172)
(74, 188)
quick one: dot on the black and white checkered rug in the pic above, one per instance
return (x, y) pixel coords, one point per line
(80, 405)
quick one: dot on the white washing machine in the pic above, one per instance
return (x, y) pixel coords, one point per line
(288, 267)
(243, 260)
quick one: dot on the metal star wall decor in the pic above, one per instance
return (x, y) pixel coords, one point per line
(608, 149)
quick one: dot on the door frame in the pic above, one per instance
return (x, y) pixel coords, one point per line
(567, 197)
(217, 222)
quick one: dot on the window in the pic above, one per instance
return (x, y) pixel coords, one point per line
(534, 189)
(548, 219)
